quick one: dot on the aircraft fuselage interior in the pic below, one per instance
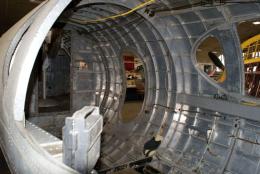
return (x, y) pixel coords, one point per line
(140, 86)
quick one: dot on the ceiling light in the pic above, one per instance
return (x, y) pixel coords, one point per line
(256, 23)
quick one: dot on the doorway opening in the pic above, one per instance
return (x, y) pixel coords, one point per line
(49, 89)
(135, 86)
(249, 33)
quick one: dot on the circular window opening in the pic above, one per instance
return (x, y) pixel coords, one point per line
(210, 59)
(135, 86)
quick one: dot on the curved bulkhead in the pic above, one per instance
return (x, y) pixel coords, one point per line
(201, 133)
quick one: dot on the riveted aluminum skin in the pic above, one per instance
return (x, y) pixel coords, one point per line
(201, 134)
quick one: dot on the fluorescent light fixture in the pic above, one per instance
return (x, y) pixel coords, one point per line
(256, 23)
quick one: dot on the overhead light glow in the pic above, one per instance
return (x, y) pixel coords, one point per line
(256, 23)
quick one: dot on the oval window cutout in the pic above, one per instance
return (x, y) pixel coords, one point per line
(210, 59)
(135, 86)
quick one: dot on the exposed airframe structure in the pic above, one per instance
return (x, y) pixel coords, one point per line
(202, 134)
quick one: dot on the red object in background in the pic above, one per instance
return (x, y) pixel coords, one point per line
(129, 63)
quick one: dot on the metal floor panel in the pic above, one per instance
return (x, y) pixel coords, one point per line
(50, 143)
